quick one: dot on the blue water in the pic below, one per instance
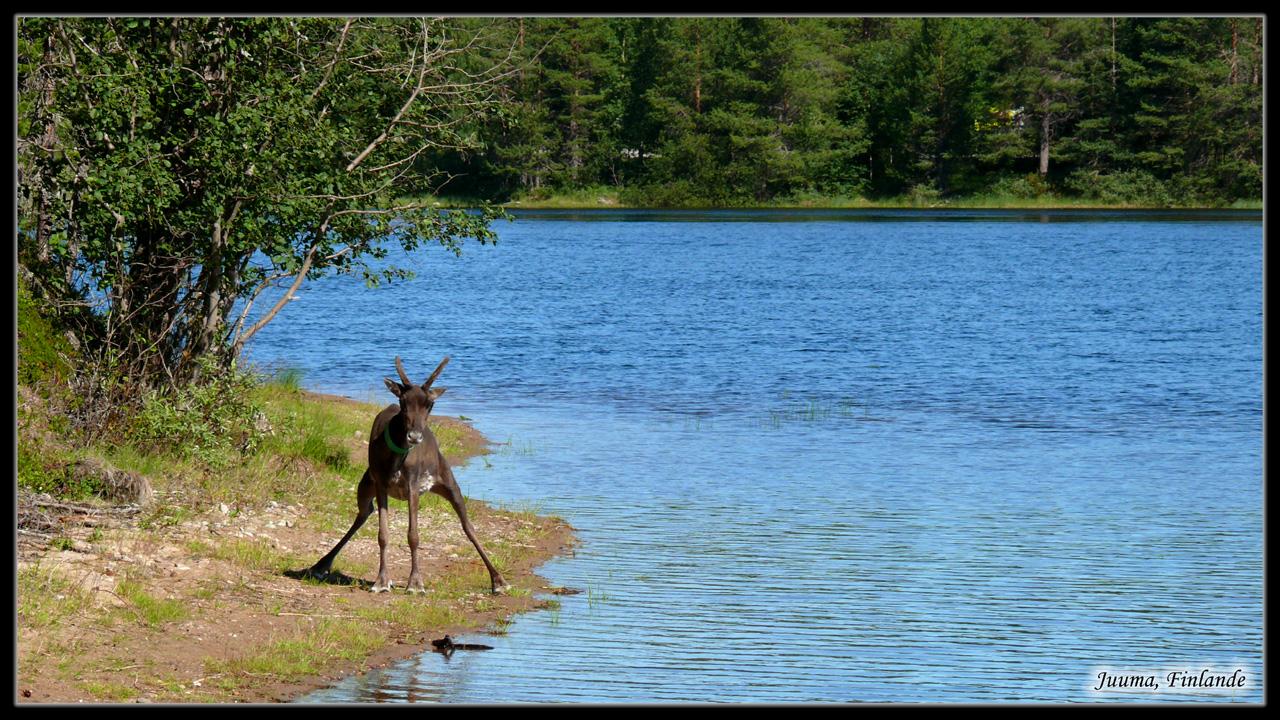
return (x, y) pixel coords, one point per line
(838, 456)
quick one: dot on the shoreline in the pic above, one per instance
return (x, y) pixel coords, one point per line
(244, 625)
(608, 201)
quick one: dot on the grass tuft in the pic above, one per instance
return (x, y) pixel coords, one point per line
(288, 659)
(47, 599)
(151, 611)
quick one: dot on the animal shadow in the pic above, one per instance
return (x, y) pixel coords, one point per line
(335, 577)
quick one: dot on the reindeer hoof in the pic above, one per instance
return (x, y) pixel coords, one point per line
(315, 574)
(416, 590)
(501, 587)
(380, 588)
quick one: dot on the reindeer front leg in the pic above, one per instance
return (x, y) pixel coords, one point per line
(364, 506)
(415, 581)
(383, 538)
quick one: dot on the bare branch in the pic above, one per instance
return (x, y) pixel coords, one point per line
(334, 62)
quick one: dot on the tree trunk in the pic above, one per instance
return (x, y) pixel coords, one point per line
(1044, 144)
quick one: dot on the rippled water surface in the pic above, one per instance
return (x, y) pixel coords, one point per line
(884, 456)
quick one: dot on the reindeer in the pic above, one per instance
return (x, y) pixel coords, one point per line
(404, 462)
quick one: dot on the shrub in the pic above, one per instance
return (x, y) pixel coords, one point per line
(211, 418)
(1132, 187)
(42, 352)
(44, 471)
(1026, 187)
(923, 195)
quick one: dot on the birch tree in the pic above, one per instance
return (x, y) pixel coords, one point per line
(170, 167)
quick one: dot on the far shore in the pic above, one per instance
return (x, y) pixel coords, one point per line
(587, 200)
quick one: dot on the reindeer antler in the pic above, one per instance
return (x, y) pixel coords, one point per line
(404, 379)
(435, 374)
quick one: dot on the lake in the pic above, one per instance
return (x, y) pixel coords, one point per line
(868, 456)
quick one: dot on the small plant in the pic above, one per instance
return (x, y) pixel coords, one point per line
(42, 352)
(510, 447)
(1025, 187)
(815, 409)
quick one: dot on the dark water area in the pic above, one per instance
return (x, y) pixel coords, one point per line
(971, 456)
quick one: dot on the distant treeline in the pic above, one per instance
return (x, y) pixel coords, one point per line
(733, 111)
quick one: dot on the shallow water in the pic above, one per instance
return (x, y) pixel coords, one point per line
(876, 456)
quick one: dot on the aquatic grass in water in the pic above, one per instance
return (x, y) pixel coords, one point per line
(815, 409)
(514, 447)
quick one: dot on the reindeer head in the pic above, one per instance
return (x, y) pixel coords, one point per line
(415, 401)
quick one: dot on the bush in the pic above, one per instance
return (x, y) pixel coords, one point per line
(44, 471)
(212, 418)
(1026, 187)
(675, 194)
(1131, 187)
(42, 352)
(923, 195)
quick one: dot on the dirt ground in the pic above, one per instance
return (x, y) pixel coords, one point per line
(231, 607)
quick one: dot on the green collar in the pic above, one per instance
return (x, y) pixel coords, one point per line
(386, 435)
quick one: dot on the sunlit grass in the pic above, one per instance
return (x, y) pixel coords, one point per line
(254, 555)
(150, 610)
(46, 598)
(432, 610)
(306, 653)
(109, 691)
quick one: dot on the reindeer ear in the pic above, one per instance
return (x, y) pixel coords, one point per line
(436, 392)
(393, 387)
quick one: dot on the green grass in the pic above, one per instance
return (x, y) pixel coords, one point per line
(432, 610)
(47, 599)
(596, 595)
(109, 691)
(253, 555)
(568, 199)
(518, 448)
(502, 625)
(150, 610)
(309, 652)
(287, 379)
(44, 469)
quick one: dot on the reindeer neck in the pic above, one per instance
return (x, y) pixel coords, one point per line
(391, 443)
